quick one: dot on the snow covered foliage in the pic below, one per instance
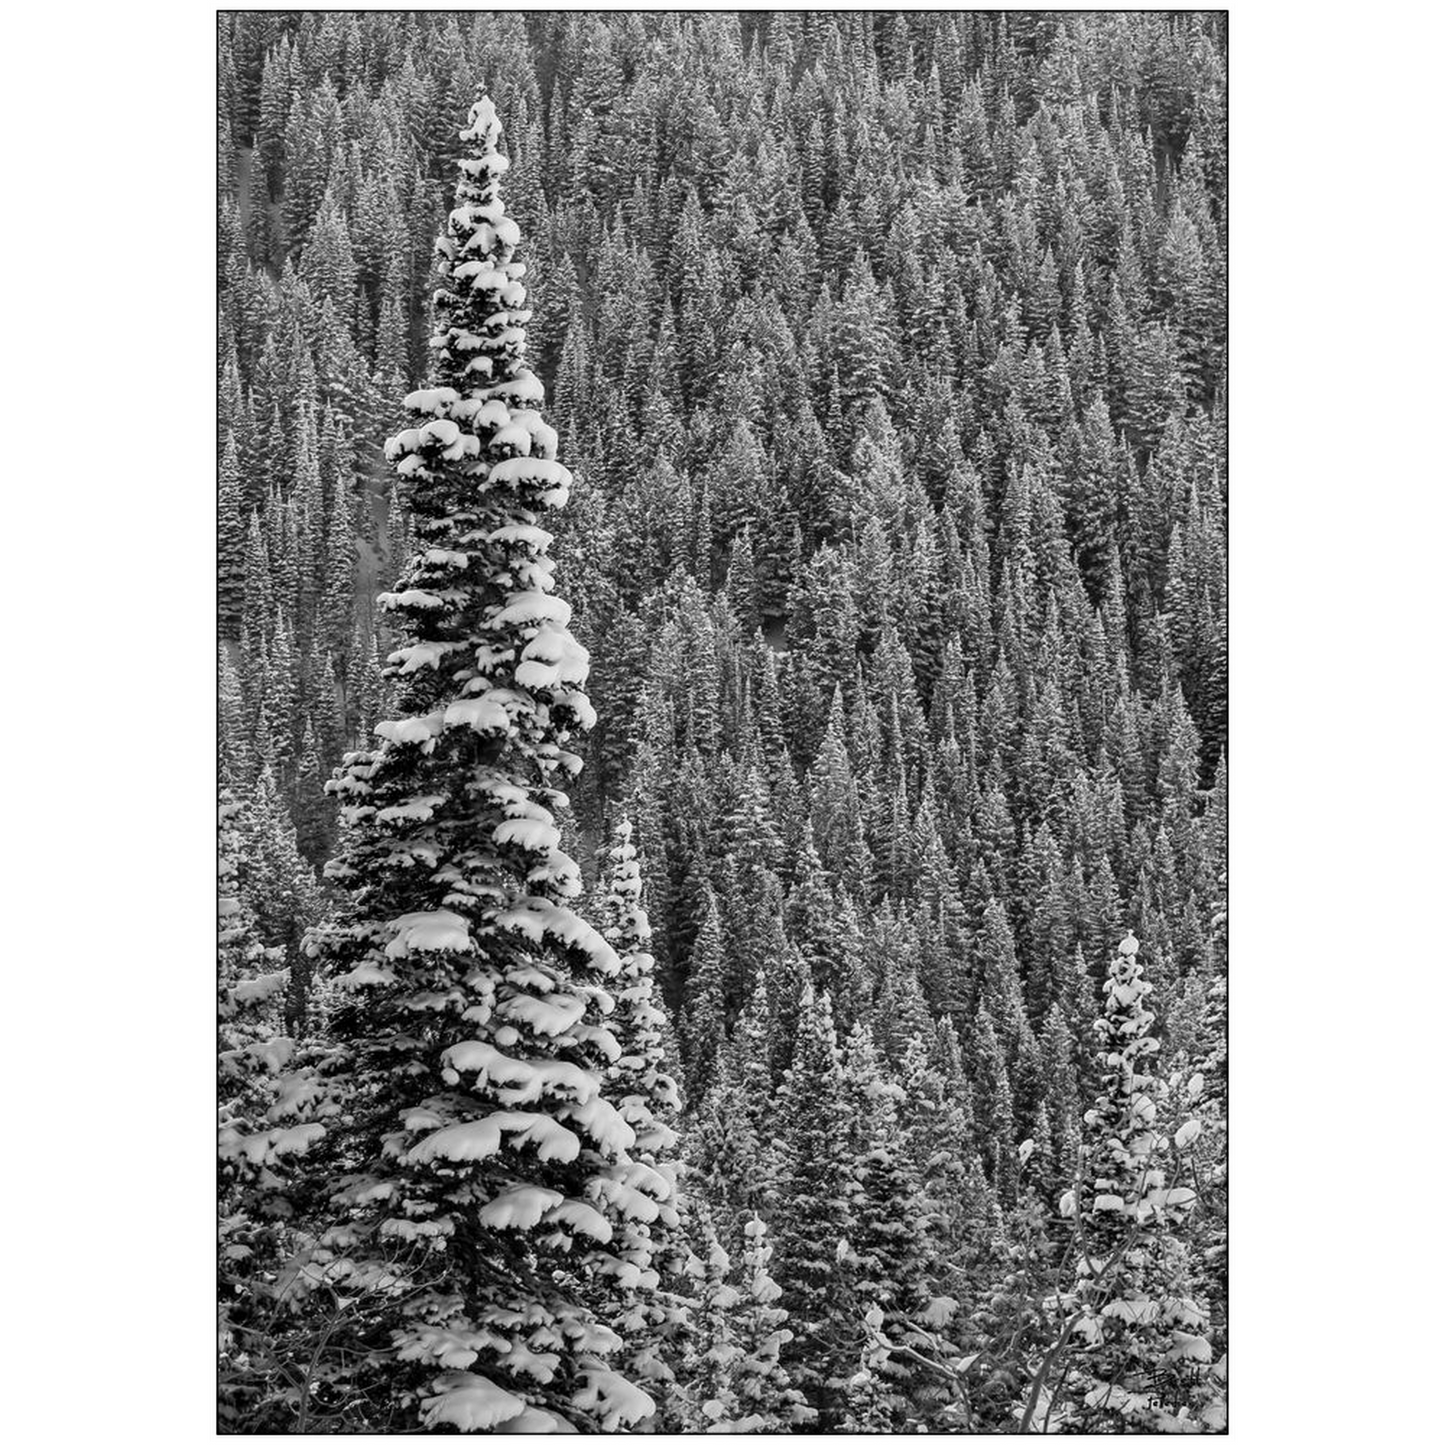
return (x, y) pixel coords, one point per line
(888, 1236)
(272, 1108)
(937, 1119)
(761, 1385)
(1197, 1080)
(737, 1383)
(643, 1197)
(640, 1022)
(1142, 1350)
(278, 884)
(250, 977)
(814, 1214)
(731, 1131)
(251, 981)
(482, 1166)
(269, 1107)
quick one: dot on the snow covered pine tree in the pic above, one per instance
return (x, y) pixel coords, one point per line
(739, 1384)
(647, 1237)
(481, 1166)
(1144, 1358)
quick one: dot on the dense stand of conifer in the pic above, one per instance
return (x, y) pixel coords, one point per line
(882, 469)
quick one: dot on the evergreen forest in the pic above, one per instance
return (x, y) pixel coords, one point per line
(722, 722)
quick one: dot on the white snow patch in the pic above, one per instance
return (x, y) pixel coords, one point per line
(440, 931)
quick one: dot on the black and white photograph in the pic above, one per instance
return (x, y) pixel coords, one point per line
(722, 722)
(627, 775)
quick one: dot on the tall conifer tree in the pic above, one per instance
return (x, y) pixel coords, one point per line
(480, 1147)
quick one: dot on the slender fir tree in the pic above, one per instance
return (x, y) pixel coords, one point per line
(480, 1146)
(1144, 1355)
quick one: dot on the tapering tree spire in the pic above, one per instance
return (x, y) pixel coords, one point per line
(648, 1239)
(1144, 1354)
(482, 1159)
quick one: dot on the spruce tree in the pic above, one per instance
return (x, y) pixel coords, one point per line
(939, 1132)
(647, 1222)
(1144, 1354)
(761, 1385)
(230, 543)
(813, 1214)
(480, 1147)
(272, 1104)
(887, 1234)
(702, 1018)
(712, 1350)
